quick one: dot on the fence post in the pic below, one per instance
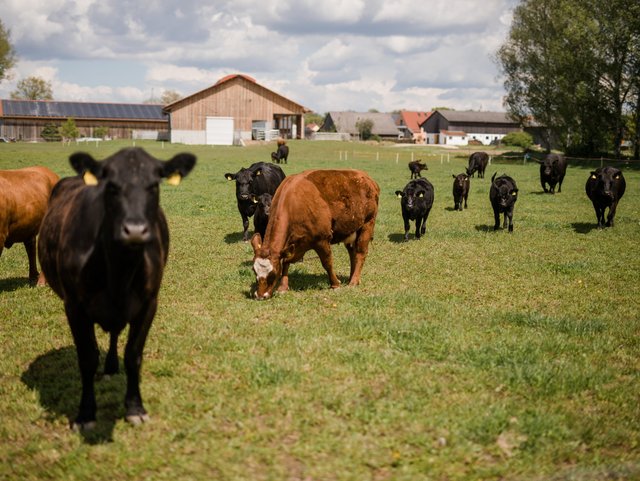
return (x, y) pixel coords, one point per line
(397, 157)
(377, 156)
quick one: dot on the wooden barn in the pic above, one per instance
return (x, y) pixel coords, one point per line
(236, 108)
(25, 119)
(463, 127)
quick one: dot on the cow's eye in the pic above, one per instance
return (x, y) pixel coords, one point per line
(153, 189)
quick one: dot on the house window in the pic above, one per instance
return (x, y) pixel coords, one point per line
(487, 137)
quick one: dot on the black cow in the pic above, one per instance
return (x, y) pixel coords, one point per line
(461, 185)
(415, 167)
(259, 178)
(261, 216)
(478, 163)
(416, 202)
(605, 187)
(281, 154)
(503, 196)
(103, 246)
(552, 171)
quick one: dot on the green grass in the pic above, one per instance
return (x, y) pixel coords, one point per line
(469, 354)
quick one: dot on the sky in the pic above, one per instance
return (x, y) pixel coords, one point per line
(326, 55)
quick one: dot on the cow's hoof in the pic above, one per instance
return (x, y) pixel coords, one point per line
(137, 419)
(79, 427)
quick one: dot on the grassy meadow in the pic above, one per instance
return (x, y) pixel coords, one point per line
(466, 355)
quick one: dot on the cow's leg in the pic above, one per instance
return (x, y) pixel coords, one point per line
(424, 222)
(407, 227)
(84, 337)
(284, 279)
(245, 227)
(418, 225)
(360, 251)
(323, 248)
(544, 185)
(138, 330)
(465, 201)
(560, 184)
(599, 214)
(111, 362)
(30, 246)
(496, 217)
(508, 215)
(612, 214)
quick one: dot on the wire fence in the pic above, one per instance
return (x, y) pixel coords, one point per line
(446, 157)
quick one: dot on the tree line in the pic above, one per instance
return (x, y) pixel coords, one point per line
(572, 67)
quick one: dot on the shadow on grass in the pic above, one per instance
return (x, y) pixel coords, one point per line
(56, 377)
(233, 238)
(484, 228)
(13, 284)
(397, 238)
(583, 227)
(301, 281)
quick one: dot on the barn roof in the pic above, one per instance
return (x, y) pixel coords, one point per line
(383, 124)
(413, 120)
(220, 83)
(476, 117)
(49, 109)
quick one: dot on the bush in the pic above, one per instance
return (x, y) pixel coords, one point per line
(50, 133)
(101, 132)
(518, 139)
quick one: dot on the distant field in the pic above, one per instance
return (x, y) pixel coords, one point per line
(467, 355)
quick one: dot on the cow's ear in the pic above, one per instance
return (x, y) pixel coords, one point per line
(399, 194)
(229, 176)
(617, 176)
(514, 192)
(256, 242)
(178, 167)
(254, 198)
(593, 175)
(453, 175)
(259, 172)
(421, 195)
(85, 165)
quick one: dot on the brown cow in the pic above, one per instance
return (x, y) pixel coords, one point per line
(313, 210)
(24, 194)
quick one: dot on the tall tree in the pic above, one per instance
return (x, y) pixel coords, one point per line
(169, 96)
(33, 88)
(7, 54)
(568, 64)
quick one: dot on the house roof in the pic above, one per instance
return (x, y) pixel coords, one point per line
(453, 133)
(220, 83)
(413, 120)
(383, 124)
(48, 109)
(476, 117)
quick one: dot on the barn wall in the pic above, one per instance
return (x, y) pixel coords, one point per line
(239, 98)
(30, 129)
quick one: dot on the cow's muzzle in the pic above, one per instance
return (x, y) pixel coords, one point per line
(135, 232)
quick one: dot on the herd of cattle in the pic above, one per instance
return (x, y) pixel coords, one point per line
(103, 238)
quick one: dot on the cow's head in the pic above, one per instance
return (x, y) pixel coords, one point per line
(549, 164)
(263, 203)
(506, 193)
(128, 183)
(268, 269)
(412, 192)
(606, 180)
(460, 180)
(244, 178)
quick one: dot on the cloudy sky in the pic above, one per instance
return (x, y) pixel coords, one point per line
(323, 54)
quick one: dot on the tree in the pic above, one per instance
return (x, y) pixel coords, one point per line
(7, 54)
(169, 96)
(51, 133)
(365, 127)
(68, 130)
(33, 88)
(101, 132)
(569, 65)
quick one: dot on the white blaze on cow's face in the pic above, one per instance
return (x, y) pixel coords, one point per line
(262, 267)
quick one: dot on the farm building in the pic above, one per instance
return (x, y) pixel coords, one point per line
(235, 108)
(461, 128)
(25, 119)
(384, 125)
(409, 124)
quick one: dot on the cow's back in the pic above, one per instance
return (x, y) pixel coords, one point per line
(24, 194)
(269, 180)
(328, 203)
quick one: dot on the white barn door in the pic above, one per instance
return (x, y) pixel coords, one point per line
(219, 131)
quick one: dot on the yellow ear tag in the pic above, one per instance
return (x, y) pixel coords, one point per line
(174, 179)
(89, 178)
(514, 193)
(593, 177)
(399, 196)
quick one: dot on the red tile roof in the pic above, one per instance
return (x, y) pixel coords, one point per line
(413, 120)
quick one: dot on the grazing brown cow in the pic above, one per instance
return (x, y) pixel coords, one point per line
(313, 210)
(24, 194)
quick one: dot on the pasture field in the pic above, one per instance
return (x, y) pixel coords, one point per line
(467, 355)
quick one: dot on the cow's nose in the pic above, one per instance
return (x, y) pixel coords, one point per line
(244, 196)
(135, 232)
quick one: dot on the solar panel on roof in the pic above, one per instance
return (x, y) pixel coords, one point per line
(34, 108)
